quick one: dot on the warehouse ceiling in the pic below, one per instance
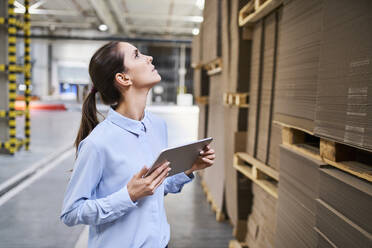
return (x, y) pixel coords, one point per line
(170, 19)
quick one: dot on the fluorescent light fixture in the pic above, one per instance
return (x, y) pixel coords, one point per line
(103, 27)
(195, 31)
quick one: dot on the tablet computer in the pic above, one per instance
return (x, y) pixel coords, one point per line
(181, 158)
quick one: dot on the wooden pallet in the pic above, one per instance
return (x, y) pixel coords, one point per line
(236, 99)
(341, 156)
(256, 9)
(236, 244)
(197, 66)
(219, 214)
(202, 99)
(213, 67)
(260, 173)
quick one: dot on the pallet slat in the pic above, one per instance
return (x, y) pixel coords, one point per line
(236, 99)
(213, 67)
(258, 172)
(333, 153)
(202, 99)
(256, 9)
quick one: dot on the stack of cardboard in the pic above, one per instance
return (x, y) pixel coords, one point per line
(214, 177)
(201, 82)
(298, 190)
(211, 30)
(263, 135)
(238, 187)
(298, 58)
(344, 108)
(262, 220)
(344, 209)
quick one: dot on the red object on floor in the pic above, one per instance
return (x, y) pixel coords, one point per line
(20, 105)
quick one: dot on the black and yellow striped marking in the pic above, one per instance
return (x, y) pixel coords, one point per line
(6, 113)
(27, 63)
(15, 68)
(13, 25)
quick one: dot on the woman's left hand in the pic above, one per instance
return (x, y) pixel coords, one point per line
(205, 160)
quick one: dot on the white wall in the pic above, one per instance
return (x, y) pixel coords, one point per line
(63, 52)
(39, 51)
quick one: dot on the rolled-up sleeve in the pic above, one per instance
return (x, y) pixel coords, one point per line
(175, 183)
(79, 204)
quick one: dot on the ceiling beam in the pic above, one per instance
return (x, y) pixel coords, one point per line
(104, 14)
(120, 12)
(197, 19)
(80, 25)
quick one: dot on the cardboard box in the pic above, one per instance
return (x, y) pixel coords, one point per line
(343, 108)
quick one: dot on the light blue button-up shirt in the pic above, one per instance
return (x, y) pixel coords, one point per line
(97, 194)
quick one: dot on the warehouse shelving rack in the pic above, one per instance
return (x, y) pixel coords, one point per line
(12, 69)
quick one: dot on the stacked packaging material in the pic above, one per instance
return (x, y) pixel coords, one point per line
(344, 109)
(203, 108)
(298, 60)
(262, 220)
(211, 30)
(344, 209)
(263, 135)
(298, 190)
(201, 83)
(238, 187)
(214, 177)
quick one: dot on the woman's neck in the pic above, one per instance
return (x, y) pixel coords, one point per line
(134, 104)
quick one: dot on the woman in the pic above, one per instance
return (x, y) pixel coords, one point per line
(107, 190)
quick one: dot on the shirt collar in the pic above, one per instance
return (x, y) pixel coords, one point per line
(131, 125)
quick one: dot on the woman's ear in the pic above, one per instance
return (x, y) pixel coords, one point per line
(123, 79)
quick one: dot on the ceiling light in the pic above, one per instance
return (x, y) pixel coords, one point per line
(195, 31)
(102, 27)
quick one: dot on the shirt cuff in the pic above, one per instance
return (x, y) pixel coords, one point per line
(182, 178)
(120, 201)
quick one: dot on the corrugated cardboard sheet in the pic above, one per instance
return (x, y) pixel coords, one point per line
(344, 102)
(298, 60)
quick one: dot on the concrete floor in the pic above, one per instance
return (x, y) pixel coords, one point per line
(30, 211)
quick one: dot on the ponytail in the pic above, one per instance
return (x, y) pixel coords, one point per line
(104, 64)
(89, 118)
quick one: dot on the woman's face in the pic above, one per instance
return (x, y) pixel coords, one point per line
(139, 69)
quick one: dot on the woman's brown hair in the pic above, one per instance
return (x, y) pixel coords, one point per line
(104, 64)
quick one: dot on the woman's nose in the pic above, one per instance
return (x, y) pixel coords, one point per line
(150, 58)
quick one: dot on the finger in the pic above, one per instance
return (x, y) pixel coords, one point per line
(211, 151)
(158, 171)
(142, 172)
(162, 180)
(160, 177)
(207, 161)
(211, 157)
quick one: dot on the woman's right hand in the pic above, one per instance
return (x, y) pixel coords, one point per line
(139, 187)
